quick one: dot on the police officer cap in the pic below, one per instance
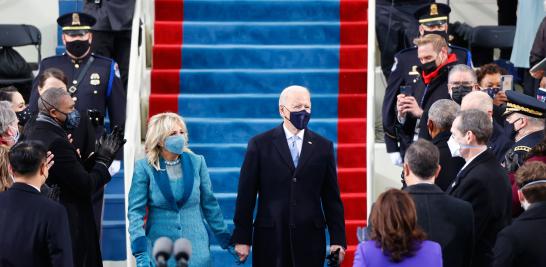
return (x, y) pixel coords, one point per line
(524, 104)
(433, 14)
(76, 23)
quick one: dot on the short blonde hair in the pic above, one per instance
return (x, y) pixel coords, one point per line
(159, 128)
(437, 41)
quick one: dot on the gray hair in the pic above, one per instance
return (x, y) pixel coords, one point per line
(422, 158)
(477, 122)
(462, 68)
(51, 98)
(477, 100)
(443, 112)
(289, 90)
(7, 116)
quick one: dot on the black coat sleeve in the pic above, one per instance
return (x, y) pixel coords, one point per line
(246, 195)
(331, 203)
(504, 251)
(538, 50)
(58, 239)
(389, 107)
(71, 175)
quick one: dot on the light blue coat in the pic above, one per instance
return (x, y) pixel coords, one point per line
(151, 194)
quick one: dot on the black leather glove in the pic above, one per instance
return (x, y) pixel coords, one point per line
(108, 145)
(333, 258)
(512, 161)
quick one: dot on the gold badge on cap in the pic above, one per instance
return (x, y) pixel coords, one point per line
(76, 19)
(433, 10)
(95, 79)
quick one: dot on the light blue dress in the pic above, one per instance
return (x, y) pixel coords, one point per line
(159, 197)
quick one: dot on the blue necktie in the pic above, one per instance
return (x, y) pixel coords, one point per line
(294, 150)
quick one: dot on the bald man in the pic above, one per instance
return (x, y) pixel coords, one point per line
(499, 142)
(294, 171)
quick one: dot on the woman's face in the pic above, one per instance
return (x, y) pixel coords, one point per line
(491, 81)
(176, 130)
(17, 102)
(51, 82)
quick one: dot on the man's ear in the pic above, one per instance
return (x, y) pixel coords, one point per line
(521, 197)
(406, 169)
(430, 126)
(64, 39)
(437, 172)
(421, 30)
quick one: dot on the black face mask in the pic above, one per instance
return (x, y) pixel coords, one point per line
(23, 116)
(78, 48)
(444, 34)
(429, 67)
(458, 92)
(300, 119)
(514, 132)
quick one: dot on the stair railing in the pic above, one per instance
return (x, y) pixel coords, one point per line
(136, 86)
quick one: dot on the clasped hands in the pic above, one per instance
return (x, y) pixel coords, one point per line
(243, 251)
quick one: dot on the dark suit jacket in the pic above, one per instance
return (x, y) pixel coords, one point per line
(76, 186)
(446, 220)
(484, 183)
(34, 229)
(450, 165)
(522, 243)
(295, 204)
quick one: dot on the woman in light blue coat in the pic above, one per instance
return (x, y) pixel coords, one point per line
(171, 186)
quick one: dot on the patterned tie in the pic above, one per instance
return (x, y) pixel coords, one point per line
(294, 150)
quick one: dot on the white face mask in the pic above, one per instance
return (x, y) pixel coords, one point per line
(454, 147)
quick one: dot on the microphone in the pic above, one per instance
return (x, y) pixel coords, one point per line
(182, 252)
(163, 248)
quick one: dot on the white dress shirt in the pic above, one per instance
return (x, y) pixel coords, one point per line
(299, 140)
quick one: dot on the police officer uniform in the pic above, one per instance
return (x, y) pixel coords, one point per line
(405, 72)
(93, 82)
(100, 89)
(517, 154)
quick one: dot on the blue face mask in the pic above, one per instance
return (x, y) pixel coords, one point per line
(175, 144)
(72, 120)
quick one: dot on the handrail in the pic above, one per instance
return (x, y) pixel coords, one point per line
(370, 128)
(136, 84)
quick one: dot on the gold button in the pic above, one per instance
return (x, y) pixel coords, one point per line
(77, 66)
(75, 82)
(95, 92)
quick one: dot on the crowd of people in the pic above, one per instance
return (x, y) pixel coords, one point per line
(471, 148)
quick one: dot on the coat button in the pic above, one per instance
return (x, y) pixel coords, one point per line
(294, 179)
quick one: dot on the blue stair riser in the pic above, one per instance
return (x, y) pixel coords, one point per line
(248, 106)
(272, 57)
(257, 81)
(225, 131)
(114, 208)
(278, 33)
(116, 185)
(113, 241)
(284, 10)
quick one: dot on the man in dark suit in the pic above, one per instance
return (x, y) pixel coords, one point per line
(446, 220)
(294, 171)
(57, 114)
(482, 181)
(412, 107)
(440, 118)
(34, 228)
(522, 243)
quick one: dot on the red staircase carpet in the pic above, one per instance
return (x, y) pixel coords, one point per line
(222, 63)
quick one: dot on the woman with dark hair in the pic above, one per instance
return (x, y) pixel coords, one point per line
(395, 238)
(489, 80)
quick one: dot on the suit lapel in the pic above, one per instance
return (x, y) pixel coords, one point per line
(306, 149)
(279, 140)
(479, 159)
